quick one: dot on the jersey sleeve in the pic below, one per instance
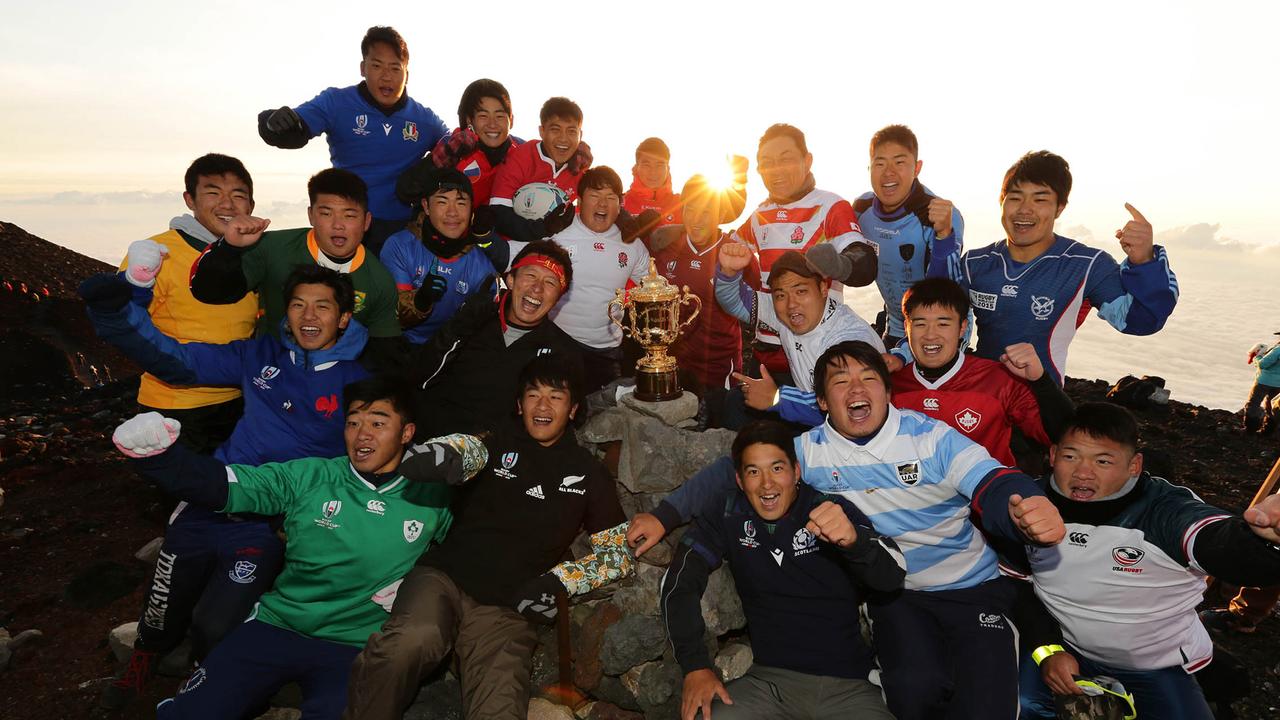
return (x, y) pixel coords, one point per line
(318, 113)
(266, 489)
(944, 253)
(395, 257)
(798, 406)
(735, 297)
(853, 327)
(1175, 519)
(640, 270)
(380, 314)
(131, 331)
(841, 226)
(1134, 299)
(508, 178)
(1022, 408)
(746, 234)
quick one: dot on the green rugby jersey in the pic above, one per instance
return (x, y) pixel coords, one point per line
(347, 540)
(267, 264)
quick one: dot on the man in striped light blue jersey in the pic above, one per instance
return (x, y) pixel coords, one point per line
(945, 646)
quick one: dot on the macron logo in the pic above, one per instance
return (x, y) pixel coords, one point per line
(566, 485)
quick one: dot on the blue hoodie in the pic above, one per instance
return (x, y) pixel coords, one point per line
(292, 397)
(1268, 362)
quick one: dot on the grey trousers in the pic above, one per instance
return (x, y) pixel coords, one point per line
(768, 693)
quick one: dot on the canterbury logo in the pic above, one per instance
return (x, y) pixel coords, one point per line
(1078, 538)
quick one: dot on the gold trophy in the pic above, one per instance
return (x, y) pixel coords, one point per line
(652, 312)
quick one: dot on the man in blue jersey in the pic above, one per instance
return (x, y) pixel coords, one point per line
(916, 233)
(439, 264)
(945, 646)
(374, 129)
(1036, 286)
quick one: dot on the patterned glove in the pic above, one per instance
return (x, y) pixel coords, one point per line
(144, 258)
(146, 434)
(581, 159)
(461, 143)
(536, 601)
(386, 597)
(432, 462)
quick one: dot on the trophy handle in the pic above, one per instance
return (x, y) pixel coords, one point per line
(622, 310)
(697, 307)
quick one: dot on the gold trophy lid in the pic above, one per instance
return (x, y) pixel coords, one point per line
(655, 288)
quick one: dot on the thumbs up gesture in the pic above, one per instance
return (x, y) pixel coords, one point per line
(1136, 238)
(1037, 519)
(760, 393)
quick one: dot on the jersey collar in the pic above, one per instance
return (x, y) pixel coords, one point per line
(877, 446)
(323, 260)
(935, 384)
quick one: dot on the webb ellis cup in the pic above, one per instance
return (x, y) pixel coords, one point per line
(652, 315)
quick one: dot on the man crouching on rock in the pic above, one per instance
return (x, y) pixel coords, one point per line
(497, 571)
(355, 523)
(789, 547)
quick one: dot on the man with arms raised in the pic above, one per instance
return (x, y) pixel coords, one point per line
(798, 216)
(466, 374)
(1122, 591)
(354, 524)
(249, 259)
(916, 233)
(212, 567)
(944, 644)
(374, 129)
(1036, 286)
(799, 305)
(789, 547)
(500, 567)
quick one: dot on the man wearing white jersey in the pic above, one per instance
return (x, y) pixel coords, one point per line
(1121, 592)
(798, 308)
(798, 216)
(604, 264)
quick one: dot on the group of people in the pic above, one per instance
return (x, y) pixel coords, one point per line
(369, 425)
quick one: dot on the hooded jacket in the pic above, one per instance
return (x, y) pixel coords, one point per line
(641, 197)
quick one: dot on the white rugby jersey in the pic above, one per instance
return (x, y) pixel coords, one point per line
(602, 263)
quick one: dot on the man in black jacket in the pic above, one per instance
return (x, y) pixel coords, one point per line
(465, 375)
(802, 561)
(500, 566)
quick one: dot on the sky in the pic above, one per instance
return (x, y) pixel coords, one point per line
(1170, 106)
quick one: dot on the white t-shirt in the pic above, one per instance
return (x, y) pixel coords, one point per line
(602, 264)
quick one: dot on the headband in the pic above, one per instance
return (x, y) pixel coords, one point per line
(544, 261)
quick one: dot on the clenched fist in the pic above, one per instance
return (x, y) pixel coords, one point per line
(245, 230)
(829, 523)
(144, 260)
(940, 217)
(1022, 361)
(734, 257)
(1037, 519)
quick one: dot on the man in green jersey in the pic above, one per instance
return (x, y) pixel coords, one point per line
(248, 259)
(354, 523)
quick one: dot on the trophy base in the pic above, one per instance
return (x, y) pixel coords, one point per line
(657, 386)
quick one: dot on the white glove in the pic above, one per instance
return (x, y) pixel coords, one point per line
(145, 258)
(386, 597)
(146, 434)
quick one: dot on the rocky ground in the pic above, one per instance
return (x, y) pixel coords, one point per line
(74, 516)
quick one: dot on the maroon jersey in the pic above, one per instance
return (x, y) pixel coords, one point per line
(712, 347)
(979, 398)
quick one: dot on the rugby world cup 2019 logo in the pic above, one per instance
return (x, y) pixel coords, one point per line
(509, 459)
(362, 122)
(331, 508)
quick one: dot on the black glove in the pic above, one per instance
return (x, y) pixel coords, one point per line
(433, 288)
(482, 221)
(284, 121)
(559, 219)
(106, 292)
(536, 600)
(647, 220)
(627, 224)
(432, 462)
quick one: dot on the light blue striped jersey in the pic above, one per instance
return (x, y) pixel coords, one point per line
(914, 480)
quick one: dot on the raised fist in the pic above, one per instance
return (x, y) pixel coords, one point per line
(940, 217)
(1037, 519)
(144, 260)
(245, 230)
(1136, 238)
(284, 120)
(146, 434)
(734, 257)
(829, 523)
(1022, 361)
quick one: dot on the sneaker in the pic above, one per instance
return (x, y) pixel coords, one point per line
(1223, 620)
(131, 683)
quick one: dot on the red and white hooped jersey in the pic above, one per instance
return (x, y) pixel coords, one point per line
(774, 228)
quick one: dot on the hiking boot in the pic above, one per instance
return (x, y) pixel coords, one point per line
(1223, 620)
(131, 683)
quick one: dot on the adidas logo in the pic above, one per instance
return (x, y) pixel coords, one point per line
(535, 491)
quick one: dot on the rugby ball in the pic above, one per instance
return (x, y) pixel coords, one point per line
(537, 200)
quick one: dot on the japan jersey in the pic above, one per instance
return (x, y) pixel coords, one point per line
(977, 397)
(602, 264)
(526, 164)
(774, 228)
(1043, 302)
(375, 144)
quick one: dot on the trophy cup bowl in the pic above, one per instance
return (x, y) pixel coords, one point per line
(652, 317)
